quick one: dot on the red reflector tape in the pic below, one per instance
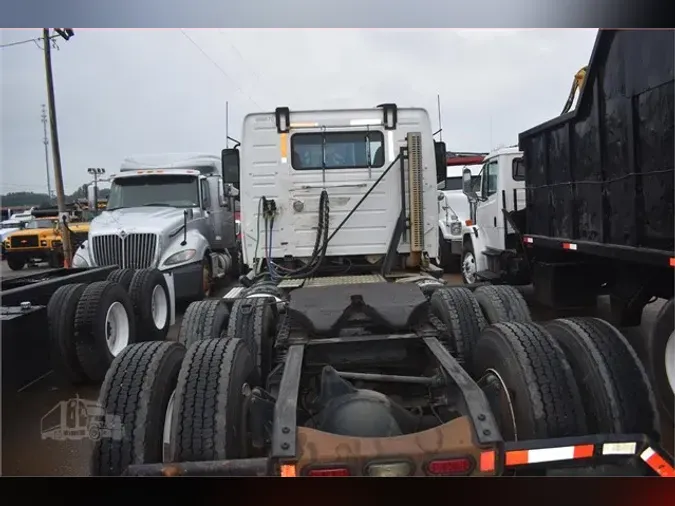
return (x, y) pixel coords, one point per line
(672, 262)
(569, 245)
(487, 461)
(523, 457)
(658, 463)
(528, 240)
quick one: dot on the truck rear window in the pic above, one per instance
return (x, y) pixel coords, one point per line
(337, 150)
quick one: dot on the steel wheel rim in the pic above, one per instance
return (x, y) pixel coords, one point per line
(166, 435)
(469, 267)
(670, 361)
(116, 328)
(159, 307)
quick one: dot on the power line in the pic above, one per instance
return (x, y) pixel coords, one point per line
(34, 40)
(220, 68)
(243, 60)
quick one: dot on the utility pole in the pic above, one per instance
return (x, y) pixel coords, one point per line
(66, 33)
(96, 172)
(45, 141)
(227, 124)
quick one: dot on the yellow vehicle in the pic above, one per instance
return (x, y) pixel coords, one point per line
(40, 241)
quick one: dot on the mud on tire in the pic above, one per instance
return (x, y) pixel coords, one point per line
(151, 301)
(614, 386)
(204, 319)
(502, 303)
(545, 397)
(104, 311)
(459, 311)
(207, 416)
(136, 391)
(61, 317)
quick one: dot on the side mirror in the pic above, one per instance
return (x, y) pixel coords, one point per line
(230, 166)
(441, 196)
(441, 161)
(467, 186)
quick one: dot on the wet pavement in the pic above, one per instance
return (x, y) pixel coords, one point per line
(26, 453)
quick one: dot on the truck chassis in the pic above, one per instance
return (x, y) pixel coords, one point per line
(240, 401)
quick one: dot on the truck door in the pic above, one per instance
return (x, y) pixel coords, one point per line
(209, 219)
(488, 212)
(221, 215)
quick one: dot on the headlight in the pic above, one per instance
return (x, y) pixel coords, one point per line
(456, 228)
(180, 257)
(79, 262)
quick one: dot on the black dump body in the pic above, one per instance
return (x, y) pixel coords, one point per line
(603, 173)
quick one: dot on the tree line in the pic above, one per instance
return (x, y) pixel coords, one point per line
(30, 199)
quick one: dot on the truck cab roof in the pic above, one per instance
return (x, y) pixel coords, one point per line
(203, 163)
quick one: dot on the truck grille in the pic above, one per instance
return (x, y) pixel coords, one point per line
(134, 251)
(24, 241)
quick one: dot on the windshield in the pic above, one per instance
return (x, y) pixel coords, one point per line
(139, 191)
(41, 223)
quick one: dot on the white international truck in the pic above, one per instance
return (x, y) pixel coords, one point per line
(171, 212)
(453, 208)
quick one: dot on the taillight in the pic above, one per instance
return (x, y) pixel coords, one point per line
(329, 472)
(449, 467)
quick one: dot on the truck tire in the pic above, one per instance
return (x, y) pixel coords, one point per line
(502, 303)
(123, 277)
(150, 297)
(208, 414)
(459, 311)
(203, 319)
(55, 260)
(254, 321)
(136, 391)
(544, 396)
(16, 263)
(660, 344)
(469, 267)
(614, 386)
(104, 326)
(61, 317)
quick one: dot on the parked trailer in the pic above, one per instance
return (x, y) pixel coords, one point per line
(584, 207)
(75, 321)
(380, 372)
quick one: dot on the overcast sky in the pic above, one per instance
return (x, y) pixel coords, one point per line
(125, 92)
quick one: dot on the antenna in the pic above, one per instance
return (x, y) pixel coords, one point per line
(227, 124)
(45, 141)
(440, 126)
